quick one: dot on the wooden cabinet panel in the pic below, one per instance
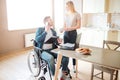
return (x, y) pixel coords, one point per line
(93, 6)
(100, 6)
(118, 36)
(114, 6)
(112, 35)
(93, 37)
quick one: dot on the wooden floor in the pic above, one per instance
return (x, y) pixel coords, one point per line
(13, 66)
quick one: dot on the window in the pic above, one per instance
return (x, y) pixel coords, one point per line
(26, 14)
(58, 14)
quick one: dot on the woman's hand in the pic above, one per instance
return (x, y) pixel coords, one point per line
(64, 29)
(59, 40)
(61, 30)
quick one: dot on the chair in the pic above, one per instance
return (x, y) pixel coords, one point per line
(112, 45)
(78, 39)
(77, 45)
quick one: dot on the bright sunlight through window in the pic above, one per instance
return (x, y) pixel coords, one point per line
(26, 14)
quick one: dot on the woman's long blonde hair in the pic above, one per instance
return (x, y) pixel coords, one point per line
(71, 5)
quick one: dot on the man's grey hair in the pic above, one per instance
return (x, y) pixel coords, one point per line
(45, 19)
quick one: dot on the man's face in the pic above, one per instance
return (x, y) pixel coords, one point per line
(50, 22)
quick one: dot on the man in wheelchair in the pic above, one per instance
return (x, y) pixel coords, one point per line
(42, 35)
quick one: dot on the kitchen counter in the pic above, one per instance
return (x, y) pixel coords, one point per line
(100, 29)
(94, 36)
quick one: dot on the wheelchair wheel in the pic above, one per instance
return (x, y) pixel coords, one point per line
(42, 78)
(34, 63)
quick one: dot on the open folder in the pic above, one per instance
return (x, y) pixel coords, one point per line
(52, 39)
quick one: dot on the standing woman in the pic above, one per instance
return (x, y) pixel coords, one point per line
(72, 22)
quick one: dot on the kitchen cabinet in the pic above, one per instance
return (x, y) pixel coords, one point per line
(112, 35)
(93, 6)
(100, 6)
(114, 6)
(93, 37)
(118, 36)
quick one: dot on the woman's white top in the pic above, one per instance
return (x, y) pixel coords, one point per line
(71, 19)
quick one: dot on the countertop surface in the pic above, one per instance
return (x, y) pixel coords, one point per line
(100, 28)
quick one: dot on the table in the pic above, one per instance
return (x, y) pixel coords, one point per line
(100, 56)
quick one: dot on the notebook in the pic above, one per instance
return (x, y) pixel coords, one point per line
(52, 39)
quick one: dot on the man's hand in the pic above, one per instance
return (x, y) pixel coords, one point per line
(47, 27)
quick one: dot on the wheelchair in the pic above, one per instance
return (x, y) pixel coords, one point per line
(36, 64)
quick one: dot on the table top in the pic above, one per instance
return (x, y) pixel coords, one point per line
(104, 57)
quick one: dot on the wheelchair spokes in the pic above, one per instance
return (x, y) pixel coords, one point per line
(38, 66)
(34, 63)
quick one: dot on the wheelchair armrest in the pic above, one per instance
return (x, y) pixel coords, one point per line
(36, 49)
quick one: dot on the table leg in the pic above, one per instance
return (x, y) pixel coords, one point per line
(59, 58)
(76, 68)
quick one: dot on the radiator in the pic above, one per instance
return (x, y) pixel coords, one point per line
(28, 38)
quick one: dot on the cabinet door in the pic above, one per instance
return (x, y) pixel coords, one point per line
(98, 37)
(112, 35)
(114, 6)
(93, 6)
(86, 37)
(118, 36)
(93, 38)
